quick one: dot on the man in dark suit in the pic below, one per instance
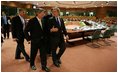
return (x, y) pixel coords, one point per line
(46, 18)
(18, 25)
(35, 33)
(57, 29)
(5, 24)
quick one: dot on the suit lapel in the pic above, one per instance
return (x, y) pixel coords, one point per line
(42, 23)
(54, 19)
(21, 24)
(20, 20)
(37, 22)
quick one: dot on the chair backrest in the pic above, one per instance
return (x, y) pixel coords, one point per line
(107, 33)
(113, 30)
(96, 34)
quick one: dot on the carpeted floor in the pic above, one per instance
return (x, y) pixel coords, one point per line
(80, 56)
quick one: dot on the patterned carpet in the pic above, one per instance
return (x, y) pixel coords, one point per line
(80, 56)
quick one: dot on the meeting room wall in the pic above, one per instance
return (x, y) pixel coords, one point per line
(100, 12)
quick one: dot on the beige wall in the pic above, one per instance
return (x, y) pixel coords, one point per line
(100, 11)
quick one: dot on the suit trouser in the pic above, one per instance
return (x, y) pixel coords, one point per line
(21, 49)
(35, 46)
(55, 43)
(6, 30)
(48, 47)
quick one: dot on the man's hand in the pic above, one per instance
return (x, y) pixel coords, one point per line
(53, 29)
(67, 38)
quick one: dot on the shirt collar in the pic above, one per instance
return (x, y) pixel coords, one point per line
(20, 16)
(38, 19)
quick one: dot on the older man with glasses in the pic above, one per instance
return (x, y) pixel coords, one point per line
(38, 39)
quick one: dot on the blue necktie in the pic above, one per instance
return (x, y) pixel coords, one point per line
(58, 22)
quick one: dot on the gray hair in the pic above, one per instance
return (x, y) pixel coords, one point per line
(55, 8)
(39, 10)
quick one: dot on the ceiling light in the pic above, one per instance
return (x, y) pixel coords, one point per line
(34, 7)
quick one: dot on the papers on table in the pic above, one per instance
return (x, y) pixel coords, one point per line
(74, 25)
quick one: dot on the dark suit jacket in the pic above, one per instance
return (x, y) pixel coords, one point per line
(35, 30)
(17, 28)
(61, 29)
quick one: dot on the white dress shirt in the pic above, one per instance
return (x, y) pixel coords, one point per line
(23, 21)
(39, 20)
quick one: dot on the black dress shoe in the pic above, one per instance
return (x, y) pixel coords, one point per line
(46, 69)
(33, 67)
(56, 64)
(59, 61)
(19, 58)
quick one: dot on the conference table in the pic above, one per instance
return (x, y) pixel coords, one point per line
(76, 31)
